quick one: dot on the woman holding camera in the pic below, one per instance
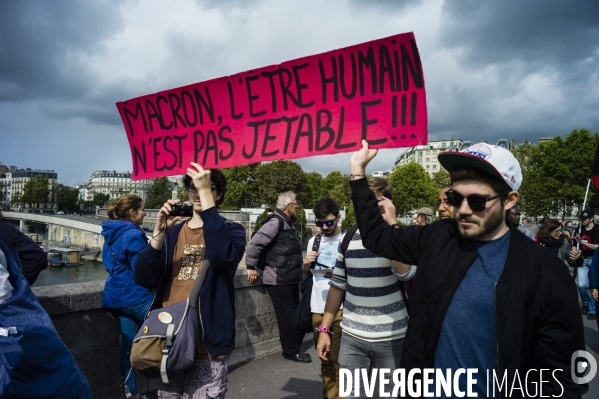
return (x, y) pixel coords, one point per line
(123, 241)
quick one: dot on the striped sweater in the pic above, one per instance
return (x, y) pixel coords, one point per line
(374, 309)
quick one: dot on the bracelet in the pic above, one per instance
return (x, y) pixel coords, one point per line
(324, 329)
(352, 176)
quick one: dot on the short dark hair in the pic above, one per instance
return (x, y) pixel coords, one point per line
(218, 178)
(468, 173)
(324, 207)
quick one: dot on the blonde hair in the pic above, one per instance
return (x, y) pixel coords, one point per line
(380, 185)
(119, 208)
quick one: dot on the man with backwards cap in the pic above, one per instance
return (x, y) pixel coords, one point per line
(488, 297)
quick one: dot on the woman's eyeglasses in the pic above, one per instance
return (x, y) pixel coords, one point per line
(476, 202)
(329, 223)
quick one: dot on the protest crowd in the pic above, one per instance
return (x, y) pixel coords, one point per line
(469, 286)
(377, 296)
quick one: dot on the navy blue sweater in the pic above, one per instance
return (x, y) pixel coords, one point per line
(225, 245)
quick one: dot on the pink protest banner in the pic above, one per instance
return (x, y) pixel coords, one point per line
(316, 105)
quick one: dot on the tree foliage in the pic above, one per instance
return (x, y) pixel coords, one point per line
(66, 197)
(260, 220)
(280, 176)
(412, 188)
(101, 200)
(241, 190)
(350, 217)
(555, 174)
(36, 190)
(159, 191)
(315, 187)
(441, 178)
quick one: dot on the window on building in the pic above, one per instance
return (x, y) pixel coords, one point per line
(428, 152)
(434, 166)
(428, 159)
(428, 166)
(443, 145)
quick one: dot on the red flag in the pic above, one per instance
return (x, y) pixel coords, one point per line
(595, 169)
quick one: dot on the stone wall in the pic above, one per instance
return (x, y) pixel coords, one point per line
(91, 332)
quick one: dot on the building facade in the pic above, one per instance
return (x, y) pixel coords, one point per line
(115, 184)
(5, 190)
(426, 155)
(19, 179)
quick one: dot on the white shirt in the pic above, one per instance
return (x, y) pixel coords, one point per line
(5, 286)
(329, 246)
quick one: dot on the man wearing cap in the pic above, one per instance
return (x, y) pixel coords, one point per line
(424, 216)
(587, 236)
(488, 297)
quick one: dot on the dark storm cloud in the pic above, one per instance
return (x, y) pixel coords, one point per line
(539, 32)
(524, 49)
(42, 43)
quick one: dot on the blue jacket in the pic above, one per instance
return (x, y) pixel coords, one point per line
(225, 244)
(123, 241)
(34, 362)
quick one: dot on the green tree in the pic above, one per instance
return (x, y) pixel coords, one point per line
(556, 172)
(66, 197)
(241, 191)
(350, 218)
(159, 191)
(341, 193)
(261, 219)
(101, 200)
(412, 188)
(182, 193)
(16, 199)
(300, 225)
(441, 178)
(276, 177)
(36, 190)
(315, 187)
(332, 180)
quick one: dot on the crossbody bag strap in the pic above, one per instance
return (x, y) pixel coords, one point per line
(194, 296)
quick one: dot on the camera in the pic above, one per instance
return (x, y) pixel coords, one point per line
(185, 210)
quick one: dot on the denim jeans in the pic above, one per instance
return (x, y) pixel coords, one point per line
(131, 319)
(583, 286)
(356, 353)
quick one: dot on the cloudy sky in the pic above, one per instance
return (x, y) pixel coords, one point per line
(493, 69)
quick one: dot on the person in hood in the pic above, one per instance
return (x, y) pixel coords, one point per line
(123, 241)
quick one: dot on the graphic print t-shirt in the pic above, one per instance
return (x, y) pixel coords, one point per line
(592, 236)
(187, 262)
(328, 255)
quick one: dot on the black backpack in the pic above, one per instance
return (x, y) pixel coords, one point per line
(266, 249)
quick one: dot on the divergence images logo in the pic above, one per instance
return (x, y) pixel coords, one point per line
(584, 367)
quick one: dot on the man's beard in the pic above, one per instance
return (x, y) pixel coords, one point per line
(490, 223)
(330, 233)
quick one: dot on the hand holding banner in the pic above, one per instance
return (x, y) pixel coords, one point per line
(316, 105)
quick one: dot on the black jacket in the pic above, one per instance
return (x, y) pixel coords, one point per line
(539, 325)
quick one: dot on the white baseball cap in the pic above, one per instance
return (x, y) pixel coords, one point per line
(494, 160)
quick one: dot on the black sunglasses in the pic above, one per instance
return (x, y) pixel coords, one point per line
(476, 202)
(329, 223)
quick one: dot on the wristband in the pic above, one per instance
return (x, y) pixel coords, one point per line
(352, 176)
(324, 329)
